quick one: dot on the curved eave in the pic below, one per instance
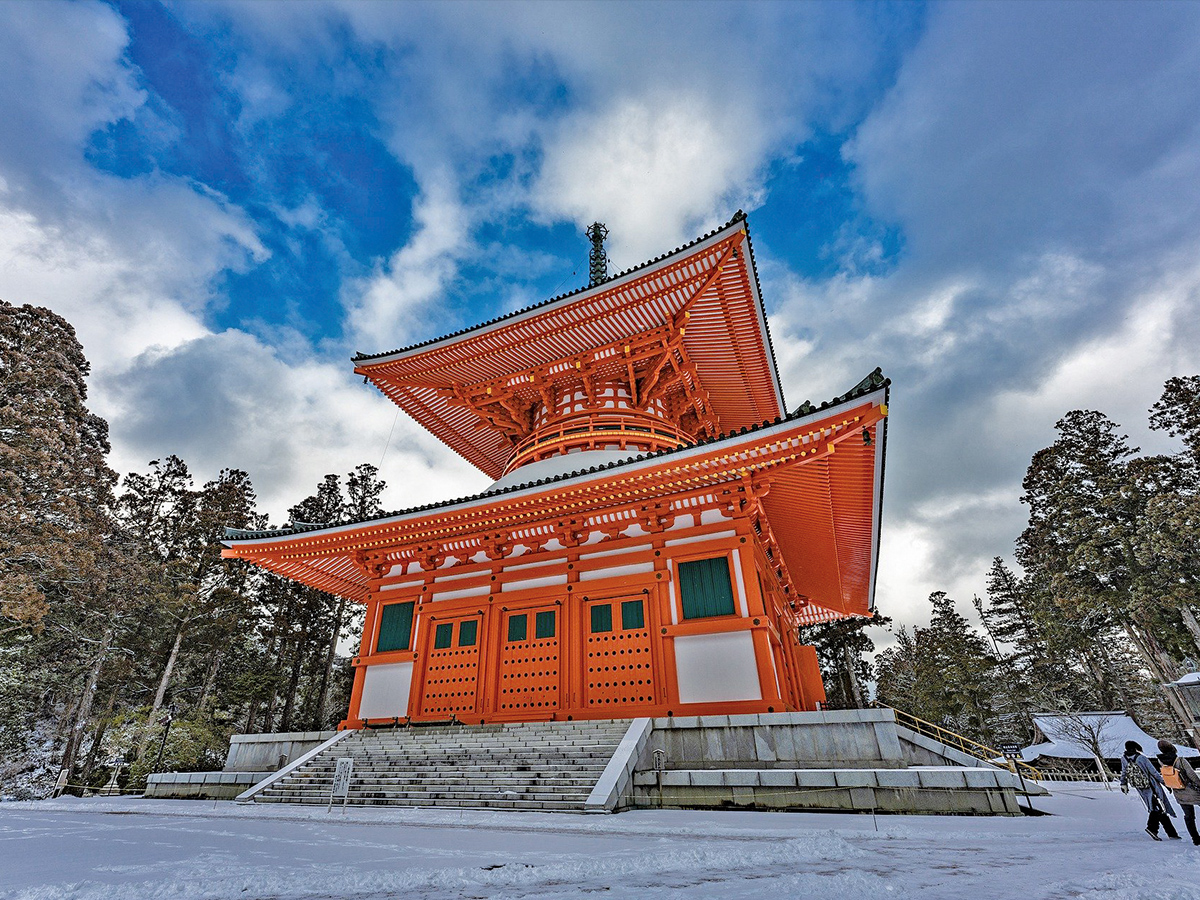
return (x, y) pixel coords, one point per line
(727, 338)
(371, 359)
(824, 512)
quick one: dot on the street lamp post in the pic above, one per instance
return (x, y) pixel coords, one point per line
(112, 789)
(171, 712)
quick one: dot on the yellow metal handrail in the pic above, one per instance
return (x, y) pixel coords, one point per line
(959, 742)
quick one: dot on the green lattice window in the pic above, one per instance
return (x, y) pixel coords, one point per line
(443, 635)
(395, 627)
(468, 632)
(705, 587)
(518, 627)
(601, 617)
(633, 615)
(543, 625)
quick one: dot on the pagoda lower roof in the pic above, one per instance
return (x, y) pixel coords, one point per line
(823, 507)
(708, 288)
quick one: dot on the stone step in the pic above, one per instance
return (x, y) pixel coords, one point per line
(511, 728)
(544, 805)
(497, 745)
(477, 761)
(584, 785)
(523, 765)
(551, 766)
(567, 748)
(525, 768)
(437, 795)
(447, 778)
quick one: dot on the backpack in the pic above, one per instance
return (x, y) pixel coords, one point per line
(1137, 777)
(1171, 777)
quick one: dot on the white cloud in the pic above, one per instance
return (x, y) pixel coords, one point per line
(656, 169)
(63, 76)
(128, 261)
(1010, 132)
(1051, 227)
(227, 400)
(132, 263)
(1040, 163)
(393, 306)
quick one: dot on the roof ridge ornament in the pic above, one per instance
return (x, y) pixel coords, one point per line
(597, 259)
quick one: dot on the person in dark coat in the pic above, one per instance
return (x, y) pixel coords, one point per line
(1143, 775)
(1188, 795)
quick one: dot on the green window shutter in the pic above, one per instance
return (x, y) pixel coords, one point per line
(633, 615)
(543, 626)
(468, 631)
(601, 617)
(706, 588)
(395, 627)
(442, 636)
(518, 627)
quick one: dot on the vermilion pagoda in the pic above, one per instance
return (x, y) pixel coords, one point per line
(659, 528)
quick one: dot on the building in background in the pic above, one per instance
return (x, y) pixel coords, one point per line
(658, 527)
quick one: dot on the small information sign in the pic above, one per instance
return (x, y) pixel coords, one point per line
(1012, 752)
(341, 781)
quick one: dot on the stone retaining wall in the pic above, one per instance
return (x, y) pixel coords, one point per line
(270, 752)
(200, 785)
(847, 760)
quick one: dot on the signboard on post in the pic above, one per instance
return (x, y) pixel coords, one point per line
(1012, 752)
(341, 782)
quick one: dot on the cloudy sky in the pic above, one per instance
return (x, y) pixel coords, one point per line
(997, 203)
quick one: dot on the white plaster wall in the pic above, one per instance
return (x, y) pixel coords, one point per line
(398, 585)
(696, 538)
(716, 667)
(458, 576)
(637, 548)
(385, 691)
(534, 583)
(478, 591)
(617, 571)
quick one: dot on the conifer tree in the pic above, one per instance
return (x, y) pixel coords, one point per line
(944, 673)
(67, 585)
(843, 649)
(1168, 537)
(1086, 495)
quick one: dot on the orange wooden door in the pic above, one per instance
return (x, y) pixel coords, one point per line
(452, 649)
(618, 669)
(529, 677)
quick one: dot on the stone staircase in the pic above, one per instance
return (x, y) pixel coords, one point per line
(527, 765)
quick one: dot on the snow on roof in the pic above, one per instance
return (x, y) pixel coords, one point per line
(1066, 736)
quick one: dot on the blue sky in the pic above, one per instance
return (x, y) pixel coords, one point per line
(995, 202)
(325, 150)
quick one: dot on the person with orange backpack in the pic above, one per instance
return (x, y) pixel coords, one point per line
(1143, 776)
(1178, 774)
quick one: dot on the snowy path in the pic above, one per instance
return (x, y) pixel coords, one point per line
(132, 849)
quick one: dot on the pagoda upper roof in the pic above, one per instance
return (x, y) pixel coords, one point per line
(826, 514)
(707, 290)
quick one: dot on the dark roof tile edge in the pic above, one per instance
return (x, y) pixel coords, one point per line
(872, 382)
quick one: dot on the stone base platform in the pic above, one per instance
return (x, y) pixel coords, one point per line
(844, 760)
(200, 785)
(945, 790)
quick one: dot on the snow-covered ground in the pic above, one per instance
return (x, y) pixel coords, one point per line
(125, 849)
